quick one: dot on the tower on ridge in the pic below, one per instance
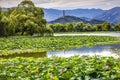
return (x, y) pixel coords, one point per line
(63, 13)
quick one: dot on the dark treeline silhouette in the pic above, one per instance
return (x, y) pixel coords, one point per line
(81, 27)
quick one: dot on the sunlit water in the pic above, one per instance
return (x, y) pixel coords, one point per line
(114, 34)
(101, 50)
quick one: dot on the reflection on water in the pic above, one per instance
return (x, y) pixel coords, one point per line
(103, 50)
(30, 54)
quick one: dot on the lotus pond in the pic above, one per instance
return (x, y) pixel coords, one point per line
(41, 44)
(24, 62)
(54, 43)
(57, 68)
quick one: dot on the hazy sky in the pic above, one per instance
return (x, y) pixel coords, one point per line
(66, 4)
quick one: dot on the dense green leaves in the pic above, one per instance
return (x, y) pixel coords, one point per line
(26, 4)
(52, 43)
(29, 44)
(106, 26)
(81, 27)
(31, 19)
(117, 27)
(56, 68)
(24, 19)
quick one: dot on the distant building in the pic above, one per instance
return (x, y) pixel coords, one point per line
(63, 13)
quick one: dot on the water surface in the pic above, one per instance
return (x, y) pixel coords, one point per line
(113, 34)
(102, 50)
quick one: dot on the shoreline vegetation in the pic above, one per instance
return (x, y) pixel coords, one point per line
(56, 42)
(59, 68)
(25, 44)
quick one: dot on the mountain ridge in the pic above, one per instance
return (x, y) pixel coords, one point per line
(73, 19)
(112, 15)
(52, 14)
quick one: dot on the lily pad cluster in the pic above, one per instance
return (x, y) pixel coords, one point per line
(57, 68)
(52, 43)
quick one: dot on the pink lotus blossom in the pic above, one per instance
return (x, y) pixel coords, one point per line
(107, 66)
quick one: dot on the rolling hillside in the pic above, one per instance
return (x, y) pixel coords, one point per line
(52, 14)
(72, 19)
(112, 15)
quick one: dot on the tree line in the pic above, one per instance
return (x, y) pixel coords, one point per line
(81, 27)
(25, 19)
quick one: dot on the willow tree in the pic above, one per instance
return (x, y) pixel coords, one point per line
(79, 26)
(69, 27)
(1, 23)
(4, 24)
(117, 27)
(106, 26)
(30, 18)
(0, 16)
(97, 27)
(0, 13)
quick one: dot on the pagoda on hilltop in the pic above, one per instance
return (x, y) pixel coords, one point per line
(63, 13)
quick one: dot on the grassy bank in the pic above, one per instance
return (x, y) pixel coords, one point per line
(73, 68)
(36, 53)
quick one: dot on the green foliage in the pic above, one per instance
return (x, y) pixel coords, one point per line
(117, 27)
(97, 27)
(59, 27)
(81, 27)
(49, 31)
(87, 27)
(31, 19)
(26, 4)
(0, 14)
(106, 26)
(24, 19)
(4, 30)
(69, 27)
(52, 43)
(57, 68)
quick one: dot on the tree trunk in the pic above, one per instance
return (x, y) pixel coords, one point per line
(22, 33)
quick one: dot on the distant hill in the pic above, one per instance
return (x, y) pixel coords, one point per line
(72, 19)
(89, 13)
(87, 19)
(52, 14)
(94, 15)
(112, 15)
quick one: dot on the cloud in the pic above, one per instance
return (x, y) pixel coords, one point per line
(9, 3)
(66, 4)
